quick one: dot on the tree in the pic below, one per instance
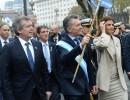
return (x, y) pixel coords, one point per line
(88, 10)
(78, 11)
(120, 5)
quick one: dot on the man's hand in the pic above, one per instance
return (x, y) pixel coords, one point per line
(95, 89)
(85, 40)
(48, 95)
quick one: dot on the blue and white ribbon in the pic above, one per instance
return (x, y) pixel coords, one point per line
(83, 64)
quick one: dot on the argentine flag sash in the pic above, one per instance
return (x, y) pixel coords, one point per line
(83, 64)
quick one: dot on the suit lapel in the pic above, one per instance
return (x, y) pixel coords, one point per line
(70, 41)
(0, 47)
(110, 52)
(20, 49)
(117, 48)
(35, 53)
(51, 51)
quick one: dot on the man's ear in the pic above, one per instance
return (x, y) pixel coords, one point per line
(69, 30)
(19, 31)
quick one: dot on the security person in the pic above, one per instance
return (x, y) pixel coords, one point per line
(120, 33)
(86, 24)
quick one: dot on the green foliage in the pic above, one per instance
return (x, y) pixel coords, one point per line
(78, 11)
(120, 5)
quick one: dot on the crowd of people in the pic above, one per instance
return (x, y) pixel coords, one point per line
(39, 63)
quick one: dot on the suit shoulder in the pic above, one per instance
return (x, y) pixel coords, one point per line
(127, 35)
(35, 41)
(51, 43)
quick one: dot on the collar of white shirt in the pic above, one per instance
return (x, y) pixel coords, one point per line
(44, 43)
(2, 40)
(23, 41)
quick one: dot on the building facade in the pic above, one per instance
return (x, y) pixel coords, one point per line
(50, 12)
(17, 6)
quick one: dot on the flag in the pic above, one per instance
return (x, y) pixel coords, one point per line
(8, 21)
(104, 3)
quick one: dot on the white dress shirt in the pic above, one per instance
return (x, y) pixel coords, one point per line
(2, 41)
(24, 47)
(48, 59)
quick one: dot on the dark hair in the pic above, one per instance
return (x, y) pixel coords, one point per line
(105, 18)
(18, 23)
(67, 22)
(40, 27)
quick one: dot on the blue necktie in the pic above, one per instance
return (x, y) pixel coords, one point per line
(77, 41)
(30, 58)
(47, 56)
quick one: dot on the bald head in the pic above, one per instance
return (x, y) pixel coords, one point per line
(54, 30)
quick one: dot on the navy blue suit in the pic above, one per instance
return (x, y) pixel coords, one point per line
(80, 85)
(0, 47)
(127, 52)
(51, 38)
(1, 97)
(18, 80)
(56, 72)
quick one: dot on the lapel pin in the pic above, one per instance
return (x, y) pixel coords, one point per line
(35, 47)
(117, 45)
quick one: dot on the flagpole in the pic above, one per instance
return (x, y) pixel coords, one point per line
(81, 56)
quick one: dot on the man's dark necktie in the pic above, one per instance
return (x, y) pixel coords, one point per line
(55, 40)
(5, 42)
(30, 58)
(77, 41)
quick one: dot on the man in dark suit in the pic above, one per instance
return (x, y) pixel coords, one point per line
(69, 48)
(4, 34)
(127, 54)
(23, 66)
(120, 34)
(86, 24)
(53, 62)
(54, 34)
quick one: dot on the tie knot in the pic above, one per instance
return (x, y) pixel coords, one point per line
(77, 41)
(5, 42)
(27, 44)
(45, 44)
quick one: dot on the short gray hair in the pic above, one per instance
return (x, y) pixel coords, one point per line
(67, 22)
(18, 23)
